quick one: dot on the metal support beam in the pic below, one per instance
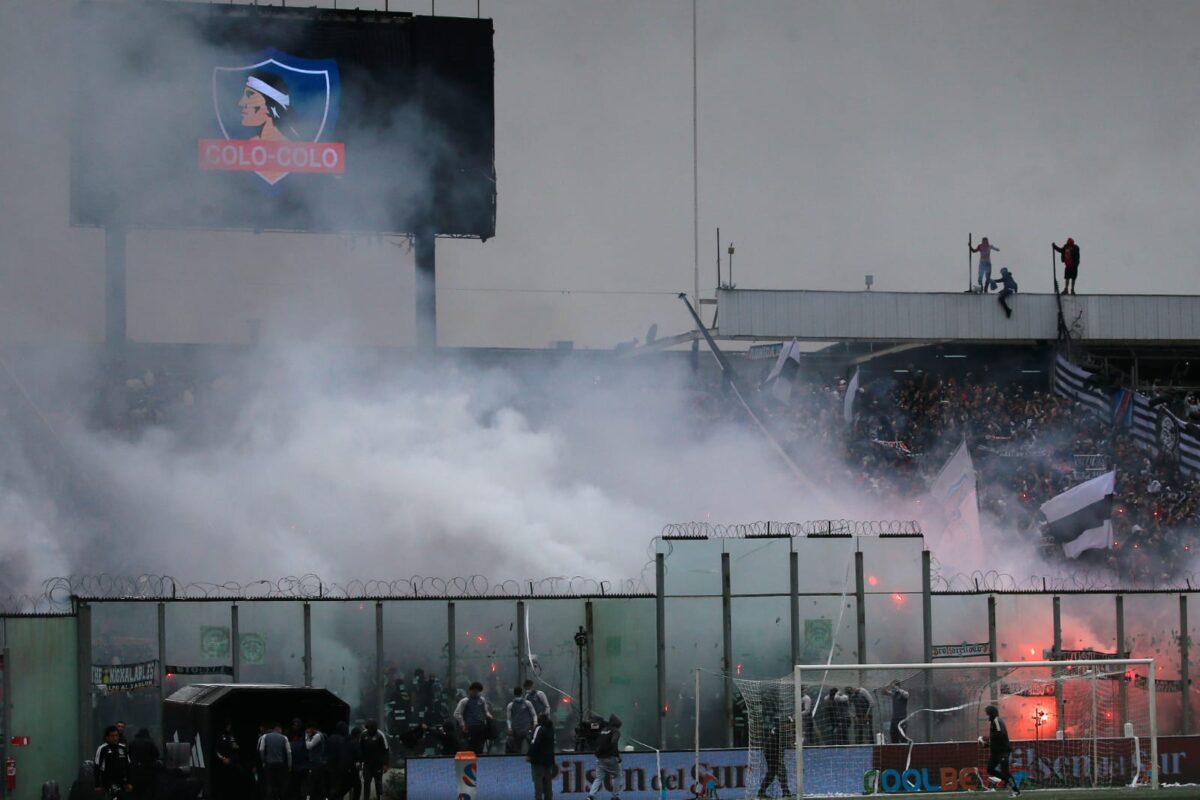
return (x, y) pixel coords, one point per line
(87, 732)
(308, 664)
(727, 646)
(1122, 687)
(379, 677)
(426, 290)
(795, 605)
(660, 631)
(1184, 660)
(1057, 654)
(235, 642)
(522, 650)
(927, 636)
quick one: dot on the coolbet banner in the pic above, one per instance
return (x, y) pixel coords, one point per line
(275, 118)
(944, 767)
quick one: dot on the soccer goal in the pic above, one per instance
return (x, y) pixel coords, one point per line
(850, 729)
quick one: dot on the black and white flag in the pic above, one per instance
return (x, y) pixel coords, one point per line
(783, 375)
(1081, 518)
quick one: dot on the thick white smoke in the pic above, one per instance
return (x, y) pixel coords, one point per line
(306, 458)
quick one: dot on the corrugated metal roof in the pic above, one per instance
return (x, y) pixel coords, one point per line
(934, 316)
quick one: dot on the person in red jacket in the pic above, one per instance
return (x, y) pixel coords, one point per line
(1069, 253)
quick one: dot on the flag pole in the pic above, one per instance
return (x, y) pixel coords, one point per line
(970, 249)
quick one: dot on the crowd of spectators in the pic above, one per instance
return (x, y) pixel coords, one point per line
(1027, 443)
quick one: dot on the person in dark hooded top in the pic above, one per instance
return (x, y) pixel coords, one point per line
(144, 756)
(1010, 288)
(608, 759)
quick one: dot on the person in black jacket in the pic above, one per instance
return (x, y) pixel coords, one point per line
(1010, 288)
(374, 748)
(352, 755)
(113, 768)
(225, 774)
(608, 759)
(335, 751)
(999, 749)
(143, 757)
(541, 758)
(1069, 253)
(776, 737)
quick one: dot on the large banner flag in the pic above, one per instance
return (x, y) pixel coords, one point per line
(783, 375)
(848, 402)
(955, 491)
(1153, 425)
(1081, 518)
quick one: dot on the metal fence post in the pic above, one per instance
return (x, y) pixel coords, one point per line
(794, 558)
(235, 642)
(380, 707)
(162, 666)
(589, 628)
(451, 655)
(660, 622)
(308, 663)
(860, 600)
(992, 675)
(1122, 652)
(86, 725)
(1057, 654)
(927, 626)
(522, 650)
(727, 646)
(1184, 671)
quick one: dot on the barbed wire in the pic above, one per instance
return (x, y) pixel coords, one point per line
(986, 581)
(1084, 581)
(817, 527)
(57, 594)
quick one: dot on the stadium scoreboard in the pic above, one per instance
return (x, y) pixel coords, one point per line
(189, 115)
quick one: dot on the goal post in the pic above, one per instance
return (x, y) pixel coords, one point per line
(846, 729)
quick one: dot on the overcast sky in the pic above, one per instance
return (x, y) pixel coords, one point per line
(835, 139)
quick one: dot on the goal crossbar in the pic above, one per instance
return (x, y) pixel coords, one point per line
(811, 669)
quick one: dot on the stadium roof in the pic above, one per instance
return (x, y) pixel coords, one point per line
(947, 316)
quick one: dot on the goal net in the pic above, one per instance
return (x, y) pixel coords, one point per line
(852, 729)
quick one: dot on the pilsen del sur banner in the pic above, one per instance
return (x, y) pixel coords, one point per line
(255, 155)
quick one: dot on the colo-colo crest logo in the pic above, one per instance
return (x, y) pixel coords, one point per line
(276, 115)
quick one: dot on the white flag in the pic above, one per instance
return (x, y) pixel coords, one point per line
(954, 490)
(848, 402)
(783, 375)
